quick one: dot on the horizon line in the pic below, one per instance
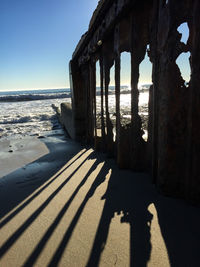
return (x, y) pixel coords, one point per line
(58, 88)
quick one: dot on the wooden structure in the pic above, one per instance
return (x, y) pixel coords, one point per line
(172, 151)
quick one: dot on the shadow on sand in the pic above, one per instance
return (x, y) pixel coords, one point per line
(34, 175)
(129, 194)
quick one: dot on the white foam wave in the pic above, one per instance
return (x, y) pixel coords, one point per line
(25, 119)
(30, 97)
(28, 117)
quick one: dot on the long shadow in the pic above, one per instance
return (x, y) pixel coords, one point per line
(15, 212)
(100, 178)
(38, 173)
(127, 194)
(180, 227)
(37, 251)
(31, 219)
(131, 195)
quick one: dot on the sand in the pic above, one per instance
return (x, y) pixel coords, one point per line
(16, 153)
(62, 204)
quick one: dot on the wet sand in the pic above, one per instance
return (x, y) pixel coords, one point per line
(62, 204)
(17, 153)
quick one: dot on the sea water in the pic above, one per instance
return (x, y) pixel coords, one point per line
(31, 112)
(25, 113)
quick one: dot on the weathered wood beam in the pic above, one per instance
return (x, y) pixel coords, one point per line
(117, 85)
(94, 99)
(92, 71)
(109, 125)
(103, 135)
(139, 40)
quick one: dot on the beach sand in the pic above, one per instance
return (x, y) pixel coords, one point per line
(62, 204)
(16, 153)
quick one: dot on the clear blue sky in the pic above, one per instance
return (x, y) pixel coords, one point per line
(38, 38)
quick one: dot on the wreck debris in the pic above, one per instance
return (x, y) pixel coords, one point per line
(172, 150)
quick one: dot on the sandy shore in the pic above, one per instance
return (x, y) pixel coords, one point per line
(16, 153)
(65, 205)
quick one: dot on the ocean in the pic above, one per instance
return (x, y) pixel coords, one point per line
(25, 113)
(32, 112)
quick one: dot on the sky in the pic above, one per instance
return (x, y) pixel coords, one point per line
(38, 38)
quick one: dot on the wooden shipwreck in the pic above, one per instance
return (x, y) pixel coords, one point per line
(172, 152)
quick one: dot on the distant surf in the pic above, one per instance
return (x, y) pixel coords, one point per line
(20, 95)
(30, 112)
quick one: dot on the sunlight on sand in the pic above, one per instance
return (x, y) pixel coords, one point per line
(82, 216)
(32, 196)
(49, 217)
(119, 233)
(158, 244)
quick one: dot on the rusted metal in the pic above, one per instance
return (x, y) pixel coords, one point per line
(171, 152)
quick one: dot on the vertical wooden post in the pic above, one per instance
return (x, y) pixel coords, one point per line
(155, 79)
(79, 99)
(102, 102)
(135, 119)
(94, 99)
(117, 86)
(138, 144)
(109, 126)
(107, 80)
(92, 95)
(89, 115)
(117, 95)
(192, 180)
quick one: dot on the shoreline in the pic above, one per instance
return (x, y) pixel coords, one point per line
(18, 151)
